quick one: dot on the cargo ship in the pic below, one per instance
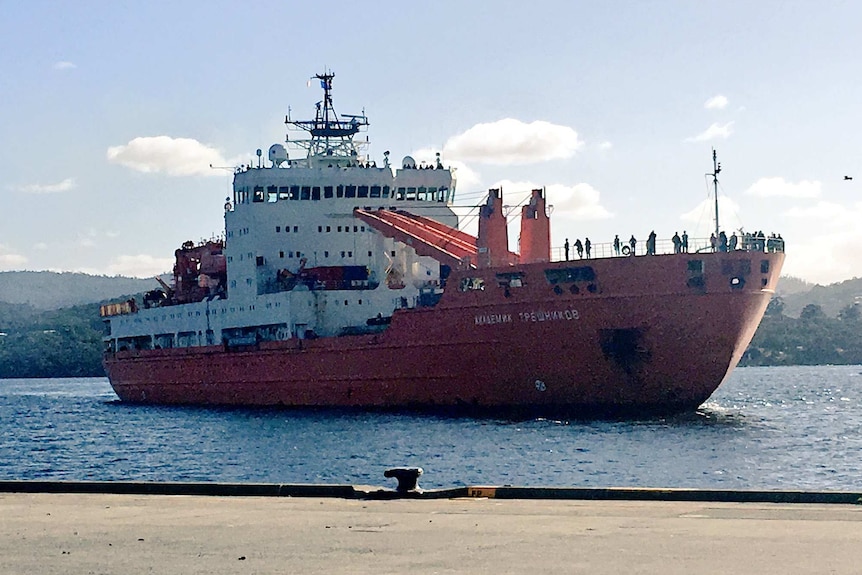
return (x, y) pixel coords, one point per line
(341, 283)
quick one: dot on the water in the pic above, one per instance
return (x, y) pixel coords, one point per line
(766, 428)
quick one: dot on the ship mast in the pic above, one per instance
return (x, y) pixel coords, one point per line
(716, 169)
(331, 136)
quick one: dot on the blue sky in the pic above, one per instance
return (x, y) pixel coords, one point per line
(111, 112)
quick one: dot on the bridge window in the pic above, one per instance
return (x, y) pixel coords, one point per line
(294, 192)
(400, 195)
(258, 194)
(349, 191)
(375, 191)
(304, 192)
(363, 192)
(385, 191)
(271, 194)
(411, 193)
(339, 191)
(421, 193)
(283, 193)
(327, 192)
(315, 193)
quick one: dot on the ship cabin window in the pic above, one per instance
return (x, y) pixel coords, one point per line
(355, 229)
(421, 193)
(281, 254)
(442, 195)
(327, 192)
(339, 191)
(411, 194)
(295, 229)
(695, 274)
(570, 275)
(271, 194)
(375, 191)
(361, 228)
(315, 193)
(472, 284)
(385, 191)
(369, 253)
(342, 254)
(258, 194)
(511, 279)
(326, 254)
(432, 194)
(283, 193)
(328, 228)
(304, 192)
(764, 266)
(294, 192)
(319, 229)
(349, 191)
(277, 229)
(362, 192)
(339, 228)
(400, 194)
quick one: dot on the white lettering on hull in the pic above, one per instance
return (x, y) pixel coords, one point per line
(493, 318)
(528, 316)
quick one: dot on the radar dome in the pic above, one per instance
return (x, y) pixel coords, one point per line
(277, 154)
(408, 162)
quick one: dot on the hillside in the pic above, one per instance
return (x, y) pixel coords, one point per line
(52, 290)
(796, 294)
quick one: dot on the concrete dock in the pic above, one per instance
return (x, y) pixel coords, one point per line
(109, 533)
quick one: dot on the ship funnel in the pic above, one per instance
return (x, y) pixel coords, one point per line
(535, 230)
(493, 241)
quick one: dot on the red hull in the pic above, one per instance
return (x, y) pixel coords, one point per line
(643, 340)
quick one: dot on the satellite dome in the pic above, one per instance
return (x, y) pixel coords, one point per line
(277, 154)
(408, 162)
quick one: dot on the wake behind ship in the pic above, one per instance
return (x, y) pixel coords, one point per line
(341, 283)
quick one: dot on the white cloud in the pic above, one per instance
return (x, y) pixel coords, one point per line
(64, 65)
(511, 141)
(467, 179)
(64, 186)
(713, 132)
(717, 102)
(172, 156)
(703, 216)
(41, 246)
(578, 202)
(779, 187)
(141, 265)
(605, 146)
(10, 261)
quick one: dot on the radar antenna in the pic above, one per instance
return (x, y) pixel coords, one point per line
(331, 136)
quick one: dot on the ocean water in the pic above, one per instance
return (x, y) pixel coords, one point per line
(765, 428)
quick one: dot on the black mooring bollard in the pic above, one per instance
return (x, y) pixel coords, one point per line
(408, 478)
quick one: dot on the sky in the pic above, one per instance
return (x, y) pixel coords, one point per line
(111, 113)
